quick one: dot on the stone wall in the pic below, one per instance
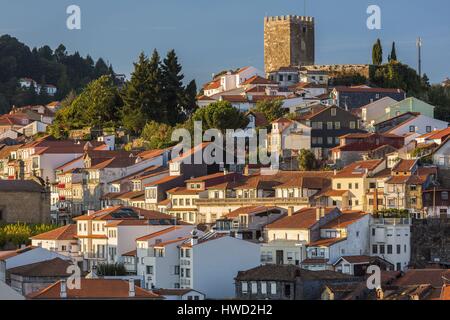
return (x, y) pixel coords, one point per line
(430, 241)
(27, 207)
(288, 41)
(337, 70)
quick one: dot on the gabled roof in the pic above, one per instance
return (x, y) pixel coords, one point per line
(49, 268)
(368, 89)
(303, 219)
(67, 232)
(94, 289)
(358, 169)
(257, 80)
(158, 233)
(405, 165)
(345, 219)
(251, 210)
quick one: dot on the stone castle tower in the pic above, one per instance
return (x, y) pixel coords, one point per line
(288, 41)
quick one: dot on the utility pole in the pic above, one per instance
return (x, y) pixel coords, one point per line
(419, 48)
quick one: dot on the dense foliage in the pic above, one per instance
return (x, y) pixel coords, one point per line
(46, 66)
(111, 269)
(306, 160)
(220, 115)
(272, 109)
(20, 233)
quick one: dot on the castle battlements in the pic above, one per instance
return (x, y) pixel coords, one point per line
(292, 18)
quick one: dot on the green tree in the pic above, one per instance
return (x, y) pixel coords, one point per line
(272, 109)
(190, 99)
(306, 160)
(99, 105)
(173, 90)
(157, 135)
(142, 94)
(377, 53)
(393, 55)
(220, 115)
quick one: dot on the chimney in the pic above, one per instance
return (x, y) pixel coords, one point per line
(194, 238)
(318, 213)
(322, 212)
(63, 291)
(131, 292)
(290, 211)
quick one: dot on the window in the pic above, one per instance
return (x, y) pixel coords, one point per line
(333, 112)
(374, 248)
(319, 140)
(382, 249)
(149, 269)
(287, 290)
(329, 125)
(273, 288)
(188, 273)
(356, 185)
(330, 140)
(263, 287)
(412, 129)
(181, 202)
(289, 77)
(176, 270)
(444, 195)
(399, 266)
(338, 186)
(350, 186)
(337, 125)
(428, 129)
(399, 249)
(244, 287)
(175, 202)
(389, 249)
(352, 125)
(188, 202)
(254, 287)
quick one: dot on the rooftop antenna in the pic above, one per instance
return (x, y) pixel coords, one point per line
(419, 49)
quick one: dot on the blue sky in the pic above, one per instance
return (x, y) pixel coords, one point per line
(212, 35)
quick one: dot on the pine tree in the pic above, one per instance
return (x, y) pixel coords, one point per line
(377, 53)
(393, 55)
(154, 110)
(173, 90)
(190, 104)
(135, 97)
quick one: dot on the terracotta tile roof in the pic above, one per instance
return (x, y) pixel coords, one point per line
(358, 168)
(205, 98)
(6, 150)
(258, 80)
(288, 273)
(365, 89)
(163, 180)
(345, 219)
(188, 244)
(404, 165)
(198, 148)
(67, 232)
(158, 233)
(212, 85)
(173, 292)
(302, 219)
(132, 253)
(95, 289)
(326, 242)
(423, 276)
(314, 261)
(169, 242)
(357, 259)
(92, 236)
(151, 153)
(440, 134)
(117, 223)
(251, 210)
(50, 268)
(234, 98)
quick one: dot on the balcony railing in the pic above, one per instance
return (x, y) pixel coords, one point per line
(94, 256)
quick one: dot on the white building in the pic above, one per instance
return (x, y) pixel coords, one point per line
(61, 240)
(25, 256)
(289, 136)
(157, 255)
(420, 124)
(390, 240)
(210, 263)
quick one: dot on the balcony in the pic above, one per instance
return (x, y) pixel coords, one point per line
(93, 256)
(393, 221)
(61, 186)
(62, 198)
